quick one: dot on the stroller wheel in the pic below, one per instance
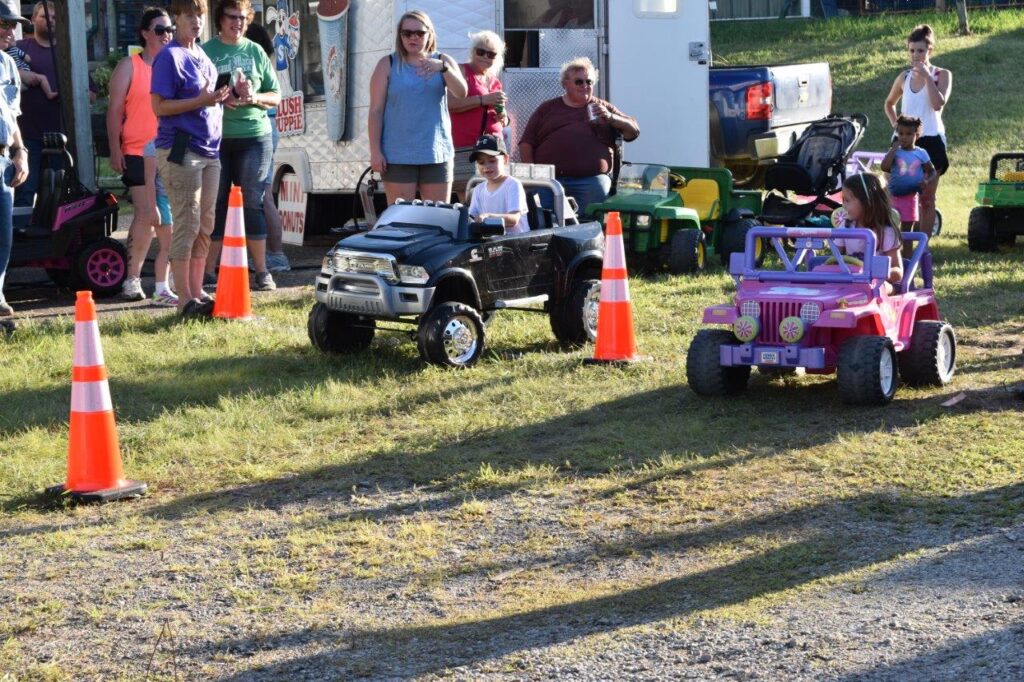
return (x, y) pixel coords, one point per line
(102, 265)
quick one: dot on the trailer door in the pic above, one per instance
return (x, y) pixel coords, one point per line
(658, 58)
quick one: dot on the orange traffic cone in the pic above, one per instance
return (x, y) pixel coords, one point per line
(233, 301)
(615, 339)
(94, 457)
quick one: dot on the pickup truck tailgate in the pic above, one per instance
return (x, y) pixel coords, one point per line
(803, 92)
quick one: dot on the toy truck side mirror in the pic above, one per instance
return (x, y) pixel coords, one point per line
(489, 227)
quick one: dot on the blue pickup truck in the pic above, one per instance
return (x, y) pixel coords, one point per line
(757, 112)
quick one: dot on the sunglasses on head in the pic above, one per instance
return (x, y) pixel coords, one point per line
(481, 52)
(583, 81)
(160, 30)
(408, 33)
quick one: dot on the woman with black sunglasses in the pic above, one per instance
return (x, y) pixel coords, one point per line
(409, 128)
(482, 110)
(131, 129)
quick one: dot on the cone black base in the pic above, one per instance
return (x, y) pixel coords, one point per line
(622, 362)
(8, 326)
(130, 489)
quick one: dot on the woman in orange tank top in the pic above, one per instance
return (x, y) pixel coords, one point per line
(131, 127)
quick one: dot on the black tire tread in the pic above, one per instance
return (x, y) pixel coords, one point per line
(338, 333)
(431, 327)
(858, 370)
(684, 251)
(567, 322)
(704, 372)
(980, 233)
(918, 364)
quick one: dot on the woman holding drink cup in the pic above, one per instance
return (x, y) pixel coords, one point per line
(482, 110)
(576, 133)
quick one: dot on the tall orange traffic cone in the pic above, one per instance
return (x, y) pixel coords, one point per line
(615, 339)
(94, 457)
(233, 299)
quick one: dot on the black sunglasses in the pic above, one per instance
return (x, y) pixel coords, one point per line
(481, 52)
(407, 33)
(581, 81)
(160, 30)
(10, 25)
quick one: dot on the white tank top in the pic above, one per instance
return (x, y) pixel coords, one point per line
(918, 105)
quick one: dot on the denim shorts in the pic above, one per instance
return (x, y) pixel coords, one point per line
(426, 174)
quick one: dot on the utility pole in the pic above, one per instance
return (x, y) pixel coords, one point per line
(73, 74)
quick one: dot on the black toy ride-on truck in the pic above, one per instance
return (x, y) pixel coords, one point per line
(426, 265)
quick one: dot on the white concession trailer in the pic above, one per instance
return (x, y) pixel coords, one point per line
(653, 57)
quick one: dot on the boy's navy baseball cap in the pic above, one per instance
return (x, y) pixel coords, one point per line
(491, 145)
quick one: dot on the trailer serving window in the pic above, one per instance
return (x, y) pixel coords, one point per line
(655, 8)
(293, 27)
(525, 19)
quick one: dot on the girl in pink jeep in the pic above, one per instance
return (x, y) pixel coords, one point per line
(867, 205)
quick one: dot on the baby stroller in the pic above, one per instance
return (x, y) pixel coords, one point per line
(70, 230)
(815, 167)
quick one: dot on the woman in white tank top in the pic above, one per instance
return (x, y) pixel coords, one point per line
(924, 90)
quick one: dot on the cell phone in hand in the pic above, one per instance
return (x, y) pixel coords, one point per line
(222, 80)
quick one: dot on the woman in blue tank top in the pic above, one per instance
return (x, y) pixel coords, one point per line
(409, 129)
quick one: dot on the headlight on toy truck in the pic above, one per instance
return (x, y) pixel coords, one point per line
(413, 274)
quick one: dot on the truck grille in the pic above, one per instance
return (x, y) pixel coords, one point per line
(772, 313)
(358, 287)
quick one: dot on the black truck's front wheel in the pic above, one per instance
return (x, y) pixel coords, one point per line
(574, 320)
(451, 335)
(334, 332)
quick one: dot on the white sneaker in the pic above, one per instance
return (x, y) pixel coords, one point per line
(131, 290)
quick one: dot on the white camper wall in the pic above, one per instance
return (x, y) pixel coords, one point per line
(651, 77)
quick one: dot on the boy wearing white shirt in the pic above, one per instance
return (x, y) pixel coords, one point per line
(501, 196)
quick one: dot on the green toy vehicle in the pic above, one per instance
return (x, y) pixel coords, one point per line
(1000, 217)
(673, 216)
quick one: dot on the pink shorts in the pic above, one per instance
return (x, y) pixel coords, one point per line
(906, 206)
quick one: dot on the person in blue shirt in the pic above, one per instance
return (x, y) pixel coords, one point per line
(910, 169)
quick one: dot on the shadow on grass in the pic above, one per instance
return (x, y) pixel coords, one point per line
(814, 551)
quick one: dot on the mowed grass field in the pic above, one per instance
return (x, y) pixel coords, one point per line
(375, 516)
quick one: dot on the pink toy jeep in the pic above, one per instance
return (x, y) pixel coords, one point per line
(827, 313)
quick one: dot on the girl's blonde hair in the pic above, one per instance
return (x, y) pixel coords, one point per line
(431, 38)
(491, 41)
(867, 189)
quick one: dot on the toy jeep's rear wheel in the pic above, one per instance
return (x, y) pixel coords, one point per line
(704, 370)
(931, 358)
(451, 335)
(101, 266)
(734, 240)
(867, 370)
(334, 332)
(981, 232)
(687, 252)
(574, 320)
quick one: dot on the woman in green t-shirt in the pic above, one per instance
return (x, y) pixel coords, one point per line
(246, 150)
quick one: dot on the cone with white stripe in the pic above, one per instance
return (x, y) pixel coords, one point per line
(94, 456)
(615, 339)
(233, 298)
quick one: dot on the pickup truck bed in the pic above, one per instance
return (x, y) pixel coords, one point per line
(757, 112)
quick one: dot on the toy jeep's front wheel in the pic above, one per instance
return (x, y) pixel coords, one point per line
(867, 370)
(451, 335)
(931, 358)
(574, 320)
(704, 370)
(333, 332)
(687, 252)
(981, 232)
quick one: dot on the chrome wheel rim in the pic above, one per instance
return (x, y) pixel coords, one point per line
(460, 340)
(591, 306)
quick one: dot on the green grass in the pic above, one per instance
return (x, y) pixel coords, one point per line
(292, 493)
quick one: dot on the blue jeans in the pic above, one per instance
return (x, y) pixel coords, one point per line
(6, 207)
(25, 193)
(244, 162)
(587, 190)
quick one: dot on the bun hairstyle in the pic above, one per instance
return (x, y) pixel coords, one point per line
(146, 20)
(904, 121)
(922, 33)
(867, 189)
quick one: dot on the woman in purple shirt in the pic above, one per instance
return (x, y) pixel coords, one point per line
(189, 115)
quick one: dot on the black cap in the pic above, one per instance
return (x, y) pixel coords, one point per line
(10, 10)
(491, 145)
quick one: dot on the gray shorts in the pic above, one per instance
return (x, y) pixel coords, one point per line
(426, 174)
